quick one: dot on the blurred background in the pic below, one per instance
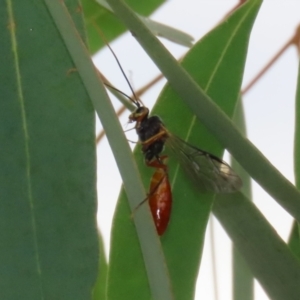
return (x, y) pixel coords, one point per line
(269, 109)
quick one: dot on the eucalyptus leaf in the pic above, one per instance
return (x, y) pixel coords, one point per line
(159, 29)
(48, 236)
(221, 52)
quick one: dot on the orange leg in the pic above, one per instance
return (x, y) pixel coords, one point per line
(162, 134)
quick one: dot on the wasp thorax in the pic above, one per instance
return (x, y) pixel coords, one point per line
(139, 114)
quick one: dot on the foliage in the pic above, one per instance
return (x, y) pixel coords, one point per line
(49, 242)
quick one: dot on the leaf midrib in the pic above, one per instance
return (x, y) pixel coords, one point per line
(14, 47)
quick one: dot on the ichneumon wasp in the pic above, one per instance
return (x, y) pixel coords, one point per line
(210, 173)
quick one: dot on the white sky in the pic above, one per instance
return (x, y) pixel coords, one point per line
(269, 107)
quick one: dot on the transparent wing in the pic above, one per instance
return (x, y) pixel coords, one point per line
(208, 172)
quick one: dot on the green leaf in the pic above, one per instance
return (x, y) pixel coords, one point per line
(220, 53)
(160, 29)
(250, 158)
(270, 261)
(170, 33)
(117, 141)
(268, 257)
(243, 283)
(109, 24)
(99, 292)
(294, 240)
(297, 134)
(48, 236)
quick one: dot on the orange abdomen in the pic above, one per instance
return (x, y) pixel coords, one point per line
(160, 200)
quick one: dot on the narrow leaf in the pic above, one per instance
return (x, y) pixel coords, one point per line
(111, 26)
(268, 257)
(243, 282)
(294, 240)
(213, 118)
(99, 292)
(148, 239)
(159, 29)
(48, 236)
(221, 52)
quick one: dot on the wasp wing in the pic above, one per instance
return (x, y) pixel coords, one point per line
(208, 172)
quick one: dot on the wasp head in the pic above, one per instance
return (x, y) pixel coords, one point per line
(139, 114)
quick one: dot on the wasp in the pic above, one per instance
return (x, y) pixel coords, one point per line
(209, 173)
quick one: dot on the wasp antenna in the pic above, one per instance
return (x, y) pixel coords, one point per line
(124, 94)
(135, 100)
